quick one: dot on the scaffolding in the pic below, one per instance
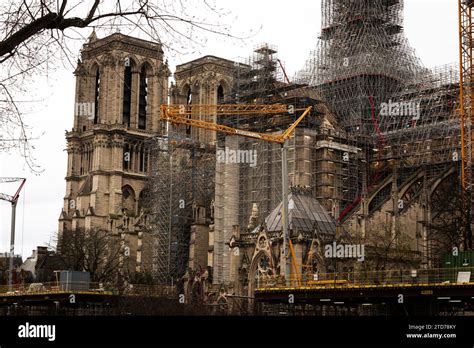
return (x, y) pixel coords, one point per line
(180, 192)
(432, 138)
(466, 92)
(240, 188)
(261, 79)
(368, 75)
(375, 108)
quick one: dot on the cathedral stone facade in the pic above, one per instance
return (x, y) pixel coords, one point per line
(120, 84)
(205, 81)
(231, 217)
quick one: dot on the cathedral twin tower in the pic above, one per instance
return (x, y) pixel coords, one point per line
(120, 84)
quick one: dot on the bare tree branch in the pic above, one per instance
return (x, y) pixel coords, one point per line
(34, 37)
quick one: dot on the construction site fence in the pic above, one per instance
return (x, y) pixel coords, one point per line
(88, 288)
(384, 278)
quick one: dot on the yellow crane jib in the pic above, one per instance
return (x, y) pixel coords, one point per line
(193, 115)
(186, 115)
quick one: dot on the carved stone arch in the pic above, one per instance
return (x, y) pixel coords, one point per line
(384, 191)
(438, 198)
(94, 66)
(131, 186)
(437, 182)
(128, 82)
(129, 199)
(256, 258)
(388, 182)
(226, 84)
(196, 85)
(148, 65)
(254, 268)
(145, 94)
(142, 199)
(413, 189)
(184, 89)
(263, 250)
(134, 62)
(405, 188)
(262, 242)
(223, 91)
(314, 257)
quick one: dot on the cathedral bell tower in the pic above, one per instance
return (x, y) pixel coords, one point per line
(121, 82)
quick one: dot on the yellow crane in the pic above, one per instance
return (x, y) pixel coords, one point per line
(183, 115)
(466, 97)
(466, 88)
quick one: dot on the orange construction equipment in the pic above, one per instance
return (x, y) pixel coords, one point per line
(466, 97)
(183, 114)
(466, 89)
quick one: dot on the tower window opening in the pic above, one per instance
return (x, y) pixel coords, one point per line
(189, 101)
(220, 95)
(143, 100)
(97, 97)
(81, 171)
(143, 160)
(127, 95)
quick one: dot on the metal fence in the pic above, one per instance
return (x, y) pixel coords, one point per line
(390, 278)
(88, 288)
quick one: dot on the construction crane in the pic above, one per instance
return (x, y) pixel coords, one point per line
(13, 200)
(466, 97)
(183, 115)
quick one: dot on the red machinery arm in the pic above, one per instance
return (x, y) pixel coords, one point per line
(14, 198)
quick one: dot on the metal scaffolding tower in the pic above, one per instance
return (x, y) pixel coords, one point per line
(466, 32)
(369, 76)
(181, 185)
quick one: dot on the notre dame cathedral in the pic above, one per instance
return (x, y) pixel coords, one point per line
(232, 234)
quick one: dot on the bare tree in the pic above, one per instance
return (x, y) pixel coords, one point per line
(35, 35)
(71, 249)
(387, 250)
(94, 251)
(450, 215)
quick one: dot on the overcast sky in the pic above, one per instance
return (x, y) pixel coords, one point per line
(430, 25)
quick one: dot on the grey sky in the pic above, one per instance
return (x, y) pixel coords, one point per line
(430, 25)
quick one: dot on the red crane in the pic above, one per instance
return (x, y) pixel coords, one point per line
(13, 200)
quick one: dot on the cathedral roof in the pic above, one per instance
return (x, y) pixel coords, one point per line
(306, 214)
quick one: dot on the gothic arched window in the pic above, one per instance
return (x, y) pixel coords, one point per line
(127, 94)
(128, 200)
(189, 97)
(143, 99)
(220, 95)
(143, 159)
(142, 200)
(189, 101)
(96, 96)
